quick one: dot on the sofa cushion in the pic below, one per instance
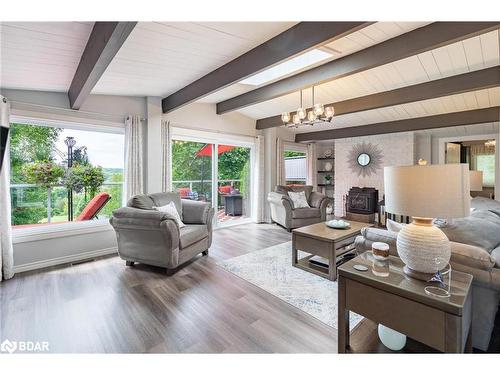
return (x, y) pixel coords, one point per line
(482, 203)
(481, 229)
(490, 215)
(495, 254)
(172, 212)
(306, 213)
(282, 189)
(471, 256)
(191, 234)
(142, 201)
(299, 199)
(162, 199)
(393, 226)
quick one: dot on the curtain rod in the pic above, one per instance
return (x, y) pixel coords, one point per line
(72, 110)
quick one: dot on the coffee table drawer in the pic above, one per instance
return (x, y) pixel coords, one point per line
(313, 245)
(393, 311)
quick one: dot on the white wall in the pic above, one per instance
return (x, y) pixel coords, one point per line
(202, 116)
(397, 149)
(35, 252)
(153, 149)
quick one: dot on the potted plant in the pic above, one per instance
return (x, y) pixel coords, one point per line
(328, 179)
(84, 177)
(45, 174)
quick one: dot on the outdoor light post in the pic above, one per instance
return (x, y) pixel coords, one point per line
(70, 143)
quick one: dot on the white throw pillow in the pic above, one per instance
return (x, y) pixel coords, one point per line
(171, 211)
(299, 199)
(393, 226)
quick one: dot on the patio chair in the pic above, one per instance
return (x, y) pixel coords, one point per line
(95, 206)
(90, 211)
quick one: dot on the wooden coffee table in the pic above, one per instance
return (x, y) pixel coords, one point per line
(318, 239)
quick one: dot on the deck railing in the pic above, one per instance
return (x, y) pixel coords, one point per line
(32, 196)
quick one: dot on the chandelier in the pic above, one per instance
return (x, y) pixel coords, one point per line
(490, 143)
(302, 117)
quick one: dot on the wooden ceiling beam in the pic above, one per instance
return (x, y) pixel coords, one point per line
(104, 42)
(477, 80)
(476, 116)
(420, 40)
(298, 39)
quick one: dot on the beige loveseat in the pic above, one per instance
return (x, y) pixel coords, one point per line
(482, 262)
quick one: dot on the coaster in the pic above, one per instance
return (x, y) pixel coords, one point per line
(360, 267)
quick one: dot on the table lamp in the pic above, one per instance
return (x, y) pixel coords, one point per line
(476, 180)
(426, 192)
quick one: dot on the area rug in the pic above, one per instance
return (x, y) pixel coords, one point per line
(271, 269)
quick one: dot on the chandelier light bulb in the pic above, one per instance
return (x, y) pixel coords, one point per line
(285, 117)
(296, 119)
(329, 112)
(301, 112)
(311, 116)
(318, 109)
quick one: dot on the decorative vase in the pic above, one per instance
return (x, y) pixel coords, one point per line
(328, 153)
(328, 166)
(420, 245)
(390, 338)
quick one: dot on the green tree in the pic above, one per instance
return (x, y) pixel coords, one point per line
(187, 166)
(86, 178)
(292, 154)
(29, 144)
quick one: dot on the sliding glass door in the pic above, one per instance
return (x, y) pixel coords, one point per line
(218, 173)
(192, 170)
(234, 183)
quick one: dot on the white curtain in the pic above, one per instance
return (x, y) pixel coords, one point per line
(280, 162)
(165, 147)
(134, 174)
(312, 168)
(259, 194)
(6, 250)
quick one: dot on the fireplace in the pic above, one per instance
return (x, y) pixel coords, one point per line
(362, 200)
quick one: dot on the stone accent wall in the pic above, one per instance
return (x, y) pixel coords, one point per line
(397, 149)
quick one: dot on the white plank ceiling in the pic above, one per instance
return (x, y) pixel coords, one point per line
(366, 37)
(453, 103)
(469, 55)
(159, 58)
(41, 55)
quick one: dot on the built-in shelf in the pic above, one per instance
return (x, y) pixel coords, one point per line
(325, 172)
(326, 185)
(326, 158)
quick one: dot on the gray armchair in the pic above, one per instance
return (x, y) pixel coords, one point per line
(284, 213)
(148, 236)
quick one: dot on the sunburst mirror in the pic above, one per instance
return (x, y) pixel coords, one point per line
(365, 159)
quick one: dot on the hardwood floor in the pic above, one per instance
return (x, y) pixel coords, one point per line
(103, 306)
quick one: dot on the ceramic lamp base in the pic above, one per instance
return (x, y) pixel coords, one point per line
(417, 275)
(424, 248)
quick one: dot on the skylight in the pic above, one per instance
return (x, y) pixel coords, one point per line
(290, 66)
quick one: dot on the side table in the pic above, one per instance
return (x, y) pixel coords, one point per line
(401, 303)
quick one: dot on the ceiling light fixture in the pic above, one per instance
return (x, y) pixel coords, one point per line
(490, 143)
(317, 114)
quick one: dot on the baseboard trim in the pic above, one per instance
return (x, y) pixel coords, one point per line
(64, 260)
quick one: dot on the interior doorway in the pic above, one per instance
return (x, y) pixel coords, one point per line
(481, 154)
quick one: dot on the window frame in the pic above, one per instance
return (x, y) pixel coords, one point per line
(55, 230)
